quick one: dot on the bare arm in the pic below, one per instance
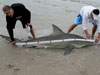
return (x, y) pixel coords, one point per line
(87, 34)
(10, 31)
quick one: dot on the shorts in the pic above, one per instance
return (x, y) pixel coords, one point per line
(78, 21)
(26, 19)
(95, 23)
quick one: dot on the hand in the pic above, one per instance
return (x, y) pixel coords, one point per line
(13, 43)
(28, 24)
(97, 39)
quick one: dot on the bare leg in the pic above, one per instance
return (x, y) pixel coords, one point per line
(71, 28)
(94, 30)
(32, 32)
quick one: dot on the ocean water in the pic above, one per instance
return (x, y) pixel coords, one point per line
(92, 2)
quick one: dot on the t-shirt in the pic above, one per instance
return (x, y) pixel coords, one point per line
(86, 18)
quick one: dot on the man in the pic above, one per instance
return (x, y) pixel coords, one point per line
(17, 11)
(88, 14)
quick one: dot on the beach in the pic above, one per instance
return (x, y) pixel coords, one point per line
(32, 61)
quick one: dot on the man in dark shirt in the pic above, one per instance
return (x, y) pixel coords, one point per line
(17, 11)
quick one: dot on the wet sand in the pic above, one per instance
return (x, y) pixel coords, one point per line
(31, 61)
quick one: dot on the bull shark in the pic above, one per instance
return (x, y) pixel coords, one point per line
(57, 34)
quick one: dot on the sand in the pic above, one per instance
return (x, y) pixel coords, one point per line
(31, 61)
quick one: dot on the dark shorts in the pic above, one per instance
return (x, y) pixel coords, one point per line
(26, 19)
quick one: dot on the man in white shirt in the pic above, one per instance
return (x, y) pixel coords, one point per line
(88, 14)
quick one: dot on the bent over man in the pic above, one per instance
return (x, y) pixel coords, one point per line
(17, 11)
(88, 14)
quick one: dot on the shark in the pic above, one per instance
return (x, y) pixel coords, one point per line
(57, 34)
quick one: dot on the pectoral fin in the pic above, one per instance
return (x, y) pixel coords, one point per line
(69, 49)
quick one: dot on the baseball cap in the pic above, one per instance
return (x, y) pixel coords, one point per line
(6, 9)
(95, 14)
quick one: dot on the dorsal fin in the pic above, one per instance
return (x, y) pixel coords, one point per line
(56, 30)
